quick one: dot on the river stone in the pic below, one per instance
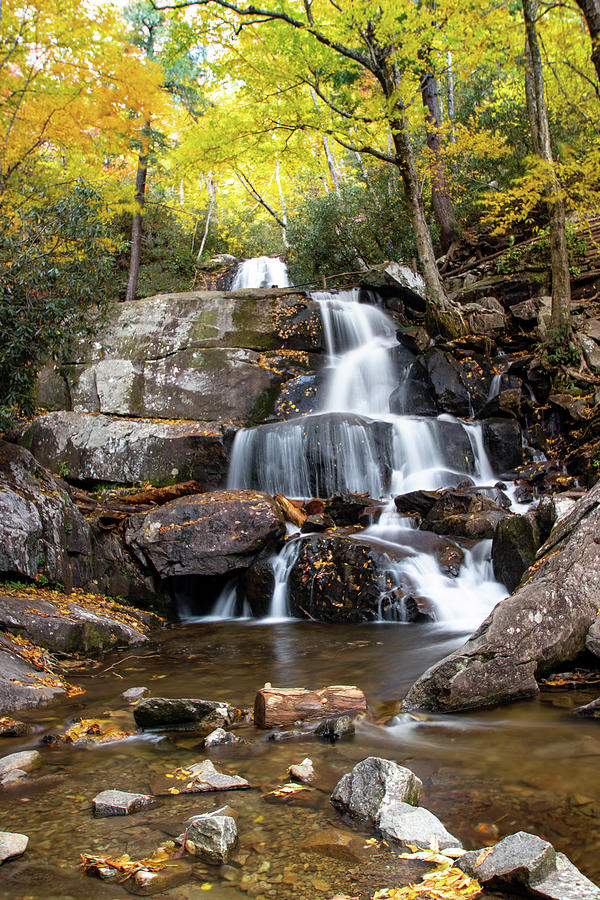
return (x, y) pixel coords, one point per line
(12, 727)
(218, 737)
(211, 837)
(334, 843)
(542, 625)
(408, 824)
(206, 534)
(444, 373)
(15, 776)
(514, 548)
(20, 686)
(12, 845)
(134, 694)
(120, 803)
(165, 714)
(303, 772)
(206, 777)
(590, 710)
(97, 448)
(526, 862)
(144, 882)
(592, 641)
(336, 728)
(372, 785)
(26, 760)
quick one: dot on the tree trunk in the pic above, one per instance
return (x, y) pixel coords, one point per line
(284, 706)
(440, 194)
(450, 87)
(561, 279)
(532, 110)
(212, 199)
(136, 228)
(591, 11)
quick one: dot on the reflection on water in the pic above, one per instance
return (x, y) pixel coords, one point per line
(529, 766)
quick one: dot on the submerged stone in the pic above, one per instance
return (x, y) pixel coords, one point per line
(11, 845)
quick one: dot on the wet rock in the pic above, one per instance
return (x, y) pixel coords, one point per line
(303, 772)
(372, 785)
(212, 837)
(408, 824)
(12, 778)
(592, 641)
(165, 714)
(218, 737)
(120, 803)
(145, 882)
(12, 727)
(12, 845)
(526, 863)
(415, 394)
(503, 443)
(97, 448)
(259, 583)
(77, 630)
(20, 686)
(542, 625)
(204, 776)
(346, 509)
(590, 710)
(419, 502)
(316, 523)
(336, 728)
(25, 760)
(514, 548)
(134, 694)
(466, 513)
(206, 534)
(444, 373)
(507, 403)
(336, 844)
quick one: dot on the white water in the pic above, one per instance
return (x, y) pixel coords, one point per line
(355, 443)
(261, 272)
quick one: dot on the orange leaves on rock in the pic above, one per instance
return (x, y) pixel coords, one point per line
(126, 866)
(94, 731)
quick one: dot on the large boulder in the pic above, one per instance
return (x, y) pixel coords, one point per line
(514, 548)
(206, 534)
(542, 625)
(183, 714)
(22, 685)
(445, 376)
(198, 355)
(94, 448)
(503, 443)
(42, 532)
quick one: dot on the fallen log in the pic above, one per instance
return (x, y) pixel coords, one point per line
(289, 510)
(283, 706)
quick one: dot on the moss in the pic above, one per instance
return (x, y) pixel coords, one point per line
(265, 405)
(449, 324)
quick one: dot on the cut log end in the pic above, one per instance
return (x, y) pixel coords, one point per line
(284, 706)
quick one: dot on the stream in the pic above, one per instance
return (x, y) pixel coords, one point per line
(531, 766)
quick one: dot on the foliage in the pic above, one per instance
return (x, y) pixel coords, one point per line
(561, 350)
(56, 256)
(445, 882)
(536, 253)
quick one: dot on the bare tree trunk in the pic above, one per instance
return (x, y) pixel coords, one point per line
(329, 154)
(136, 228)
(450, 87)
(530, 97)
(591, 11)
(561, 279)
(212, 199)
(440, 193)
(283, 207)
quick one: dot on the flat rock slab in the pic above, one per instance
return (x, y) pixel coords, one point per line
(12, 845)
(120, 803)
(21, 685)
(183, 714)
(406, 824)
(25, 760)
(97, 448)
(372, 785)
(206, 534)
(527, 863)
(542, 625)
(197, 779)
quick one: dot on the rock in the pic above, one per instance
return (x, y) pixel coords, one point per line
(20, 686)
(315, 524)
(451, 395)
(525, 863)
(25, 760)
(527, 310)
(514, 548)
(120, 803)
(146, 882)
(346, 509)
(12, 845)
(134, 694)
(334, 843)
(97, 448)
(590, 710)
(204, 776)
(68, 627)
(467, 513)
(218, 737)
(408, 824)
(12, 727)
(544, 624)
(592, 641)
(590, 350)
(211, 837)
(303, 772)
(505, 404)
(15, 776)
(409, 285)
(336, 728)
(503, 443)
(372, 785)
(206, 534)
(418, 502)
(164, 714)
(486, 316)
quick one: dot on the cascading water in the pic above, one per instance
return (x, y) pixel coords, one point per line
(261, 272)
(356, 443)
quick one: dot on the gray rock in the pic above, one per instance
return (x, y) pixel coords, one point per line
(165, 714)
(206, 534)
(592, 641)
(120, 803)
(25, 760)
(303, 772)
(525, 862)
(514, 548)
(220, 736)
(503, 443)
(372, 785)
(102, 448)
(211, 837)
(591, 351)
(542, 625)
(336, 728)
(204, 776)
(134, 694)
(408, 824)
(12, 845)
(590, 710)
(14, 777)
(20, 686)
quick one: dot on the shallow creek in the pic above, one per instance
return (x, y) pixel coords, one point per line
(531, 766)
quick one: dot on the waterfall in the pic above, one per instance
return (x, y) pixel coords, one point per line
(261, 272)
(355, 443)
